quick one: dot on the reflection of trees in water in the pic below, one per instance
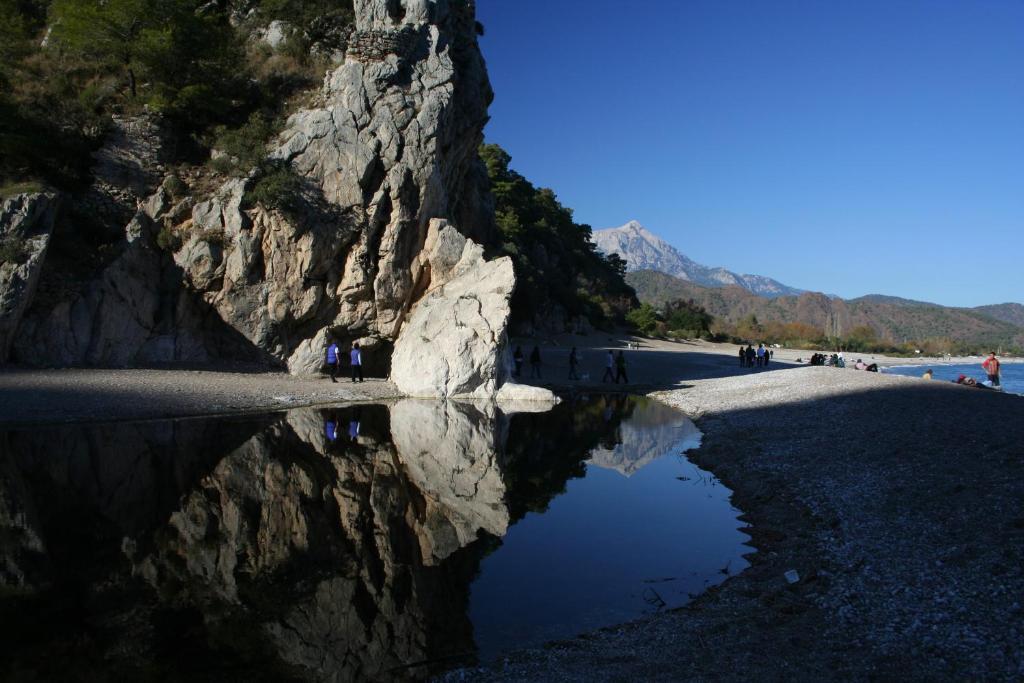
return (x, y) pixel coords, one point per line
(272, 545)
(546, 450)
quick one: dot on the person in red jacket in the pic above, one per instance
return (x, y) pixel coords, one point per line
(991, 365)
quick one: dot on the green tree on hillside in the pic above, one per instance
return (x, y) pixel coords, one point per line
(189, 61)
(114, 32)
(688, 316)
(749, 328)
(644, 319)
(557, 264)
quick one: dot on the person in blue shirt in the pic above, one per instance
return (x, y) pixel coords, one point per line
(331, 429)
(333, 359)
(357, 362)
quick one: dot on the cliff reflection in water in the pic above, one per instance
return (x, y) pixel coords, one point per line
(314, 544)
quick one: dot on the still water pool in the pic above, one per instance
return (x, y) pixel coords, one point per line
(362, 543)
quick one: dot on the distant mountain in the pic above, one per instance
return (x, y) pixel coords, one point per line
(891, 317)
(894, 300)
(643, 250)
(1008, 313)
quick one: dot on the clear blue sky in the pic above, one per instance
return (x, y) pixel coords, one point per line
(847, 147)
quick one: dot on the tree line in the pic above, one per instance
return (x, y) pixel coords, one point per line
(66, 66)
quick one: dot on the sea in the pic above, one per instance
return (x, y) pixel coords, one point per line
(1011, 374)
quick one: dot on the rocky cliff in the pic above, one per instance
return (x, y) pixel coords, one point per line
(198, 271)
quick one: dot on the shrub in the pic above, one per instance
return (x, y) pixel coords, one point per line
(277, 187)
(13, 250)
(175, 186)
(213, 236)
(244, 147)
(23, 187)
(168, 240)
(644, 319)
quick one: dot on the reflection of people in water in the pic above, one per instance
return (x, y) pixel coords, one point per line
(353, 425)
(331, 428)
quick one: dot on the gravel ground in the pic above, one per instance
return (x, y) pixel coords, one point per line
(74, 395)
(897, 500)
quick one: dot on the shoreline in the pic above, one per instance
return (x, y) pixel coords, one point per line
(881, 491)
(34, 396)
(907, 558)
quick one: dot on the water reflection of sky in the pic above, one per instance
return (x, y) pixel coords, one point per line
(612, 547)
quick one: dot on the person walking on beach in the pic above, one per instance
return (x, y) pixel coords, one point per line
(573, 362)
(609, 364)
(333, 360)
(356, 357)
(767, 356)
(760, 355)
(535, 362)
(743, 357)
(620, 368)
(991, 365)
(750, 356)
(517, 359)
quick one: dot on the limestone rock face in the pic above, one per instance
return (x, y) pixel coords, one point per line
(26, 224)
(389, 144)
(453, 343)
(394, 144)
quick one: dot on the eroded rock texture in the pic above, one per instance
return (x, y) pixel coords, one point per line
(454, 341)
(26, 224)
(390, 143)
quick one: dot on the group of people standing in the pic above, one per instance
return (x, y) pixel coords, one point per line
(355, 356)
(615, 365)
(751, 357)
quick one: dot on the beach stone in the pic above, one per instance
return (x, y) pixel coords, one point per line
(524, 398)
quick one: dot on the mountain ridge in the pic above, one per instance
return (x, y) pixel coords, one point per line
(890, 317)
(644, 250)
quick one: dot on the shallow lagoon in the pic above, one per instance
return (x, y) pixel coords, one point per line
(369, 542)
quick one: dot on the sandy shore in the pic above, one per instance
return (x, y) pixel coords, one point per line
(72, 395)
(31, 396)
(897, 501)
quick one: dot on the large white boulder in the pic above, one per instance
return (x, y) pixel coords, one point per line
(454, 343)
